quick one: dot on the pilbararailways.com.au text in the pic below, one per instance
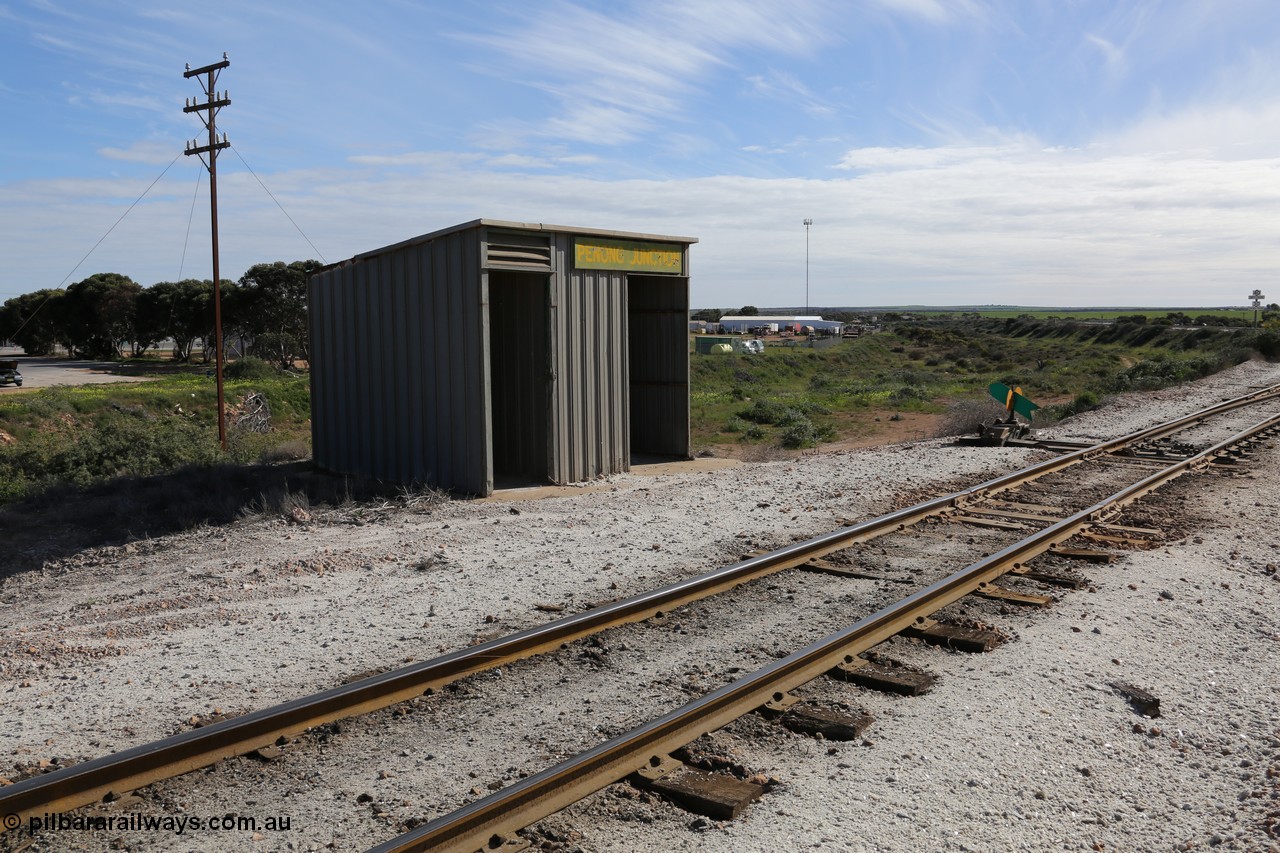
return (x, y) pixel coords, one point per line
(176, 824)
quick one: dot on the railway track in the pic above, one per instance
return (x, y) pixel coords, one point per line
(1151, 454)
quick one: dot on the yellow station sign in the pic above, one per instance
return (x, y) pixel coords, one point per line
(594, 253)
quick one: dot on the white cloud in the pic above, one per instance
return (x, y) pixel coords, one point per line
(887, 159)
(784, 86)
(933, 11)
(1111, 54)
(1225, 130)
(1177, 209)
(1015, 223)
(116, 100)
(153, 152)
(519, 161)
(417, 159)
(619, 74)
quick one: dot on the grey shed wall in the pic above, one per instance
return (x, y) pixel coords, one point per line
(399, 350)
(426, 355)
(589, 405)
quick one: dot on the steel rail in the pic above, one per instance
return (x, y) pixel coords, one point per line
(484, 823)
(129, 769)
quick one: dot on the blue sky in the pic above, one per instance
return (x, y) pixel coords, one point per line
(1037, 152)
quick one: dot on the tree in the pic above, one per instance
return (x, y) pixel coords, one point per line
(846, 316)
(749, 311)
(34, 321)
(207, 320)
(270, 308)
(100, 312)
(710, 315)
(181, 310)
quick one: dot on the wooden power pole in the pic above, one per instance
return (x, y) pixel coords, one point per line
(208, 111)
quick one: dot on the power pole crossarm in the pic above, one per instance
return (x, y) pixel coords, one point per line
(208, 111)
(217, 66)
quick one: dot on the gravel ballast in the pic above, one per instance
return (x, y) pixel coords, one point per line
(1028, 747)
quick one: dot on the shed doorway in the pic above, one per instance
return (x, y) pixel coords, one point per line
(519, 377)
(658, 365)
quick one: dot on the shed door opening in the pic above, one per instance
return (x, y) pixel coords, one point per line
(519, 376)
(658, 356)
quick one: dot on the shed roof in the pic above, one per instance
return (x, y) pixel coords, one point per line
(521, 226)
(772, 318)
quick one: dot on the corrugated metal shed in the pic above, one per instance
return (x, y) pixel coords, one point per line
(736, 323)
(504, 351)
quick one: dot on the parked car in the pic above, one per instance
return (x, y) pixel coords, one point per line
(9, 373)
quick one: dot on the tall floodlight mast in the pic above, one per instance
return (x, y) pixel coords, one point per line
(807, 223)
(208, 112)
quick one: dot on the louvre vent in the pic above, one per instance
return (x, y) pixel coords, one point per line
(518, 251)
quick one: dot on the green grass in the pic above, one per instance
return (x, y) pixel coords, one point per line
(85, 434)
(1086, 314)
(784, 397)
(926, 366)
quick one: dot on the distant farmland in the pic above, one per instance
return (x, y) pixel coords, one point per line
(1092, 313)
(1003, 311)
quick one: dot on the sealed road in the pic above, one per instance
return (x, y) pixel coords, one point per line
(41, 372)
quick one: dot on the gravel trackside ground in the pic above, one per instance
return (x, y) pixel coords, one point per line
(1025, 748)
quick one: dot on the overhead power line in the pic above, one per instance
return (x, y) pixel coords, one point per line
(182, 265)
(93, 249)
(278, 204)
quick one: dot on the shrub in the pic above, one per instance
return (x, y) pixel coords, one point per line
(764, 412)
(909, 394)
(1083, 402)
(1268, 344)
(249, 367)
(968, 416)
(118, 444)
(1163, 371)
(801, 432)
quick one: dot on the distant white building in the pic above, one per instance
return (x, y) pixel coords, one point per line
(776, 323)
